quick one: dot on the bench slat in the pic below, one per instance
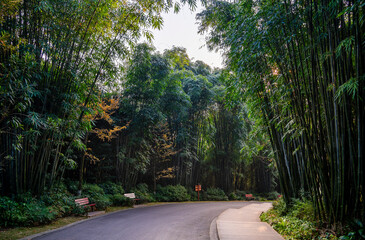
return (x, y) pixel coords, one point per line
(130, 195)
(82, 201)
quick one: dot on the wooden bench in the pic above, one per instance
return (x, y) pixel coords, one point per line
(84, 202)
(249, 197)
(131, 196)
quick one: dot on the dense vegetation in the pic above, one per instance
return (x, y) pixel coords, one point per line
(301, 65)
(82, 102)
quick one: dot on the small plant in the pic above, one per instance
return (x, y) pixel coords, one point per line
(358, 231)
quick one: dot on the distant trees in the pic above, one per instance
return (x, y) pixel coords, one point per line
(64, 64)
(300, 64)
(180, 130)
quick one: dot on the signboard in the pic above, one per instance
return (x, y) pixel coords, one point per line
(198, 188)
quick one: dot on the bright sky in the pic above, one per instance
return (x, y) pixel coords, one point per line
(181, 30)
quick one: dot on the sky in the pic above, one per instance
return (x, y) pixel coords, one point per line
(181, 30)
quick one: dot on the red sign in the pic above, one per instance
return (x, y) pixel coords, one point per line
(197, 189)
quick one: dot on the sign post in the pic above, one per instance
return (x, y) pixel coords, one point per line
(198, 188)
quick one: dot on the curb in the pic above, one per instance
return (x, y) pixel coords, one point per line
(213, 231)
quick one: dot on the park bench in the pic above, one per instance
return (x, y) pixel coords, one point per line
(84, 202)
(132, 196)
(249, 197)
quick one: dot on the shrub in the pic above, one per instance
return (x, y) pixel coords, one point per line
(72, 187)
(237, 195)
(232, 196)
(62, 203)
(296, 221)
(96, 195)
(172, 193)
(143, 193)
(21, 213)
(92, 189)
(112, 188)
(120, 200)
(193, 195)
(302, 209)
(272, 195)
(280, 206)
(215, 194)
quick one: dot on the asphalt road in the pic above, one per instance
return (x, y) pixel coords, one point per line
(188, 221)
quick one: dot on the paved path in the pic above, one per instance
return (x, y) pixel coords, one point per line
(244, 224)
(186, 221)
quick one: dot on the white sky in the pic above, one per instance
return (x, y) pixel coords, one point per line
(181, 30)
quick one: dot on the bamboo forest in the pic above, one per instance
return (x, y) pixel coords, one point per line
(90, 108)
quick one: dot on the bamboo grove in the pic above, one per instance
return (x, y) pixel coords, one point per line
(81, 100)
(179, 130)
(301, 65)
(56, 58)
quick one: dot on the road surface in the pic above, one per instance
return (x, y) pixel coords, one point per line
(160, 222)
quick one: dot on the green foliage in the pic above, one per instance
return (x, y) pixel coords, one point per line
(142, 192)
(96, 195)
(72, 186)
(295, 222)
(62, 204)
(120, 200)
(233, 196)
(31, 212)
(193, 194)
(112, 188)
(288, 60)
(172, 193)
(357, 231)
(214, 194)
(271, 195)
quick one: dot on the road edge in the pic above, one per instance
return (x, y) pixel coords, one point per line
(213, 231)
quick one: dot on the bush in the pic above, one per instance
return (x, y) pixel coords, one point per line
(112, 188)
(302, 209)
(172, 193)
(62, 203)
(142, 193)
(270, 196)
(96, 195)
(232, 196)
(32, 212)
(215, 194)
(280, 206)
(72, 187)
(296, 221)
(237, 195)
(121, 200)
(194, 195)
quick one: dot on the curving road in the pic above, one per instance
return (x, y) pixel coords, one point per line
(159, 222)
